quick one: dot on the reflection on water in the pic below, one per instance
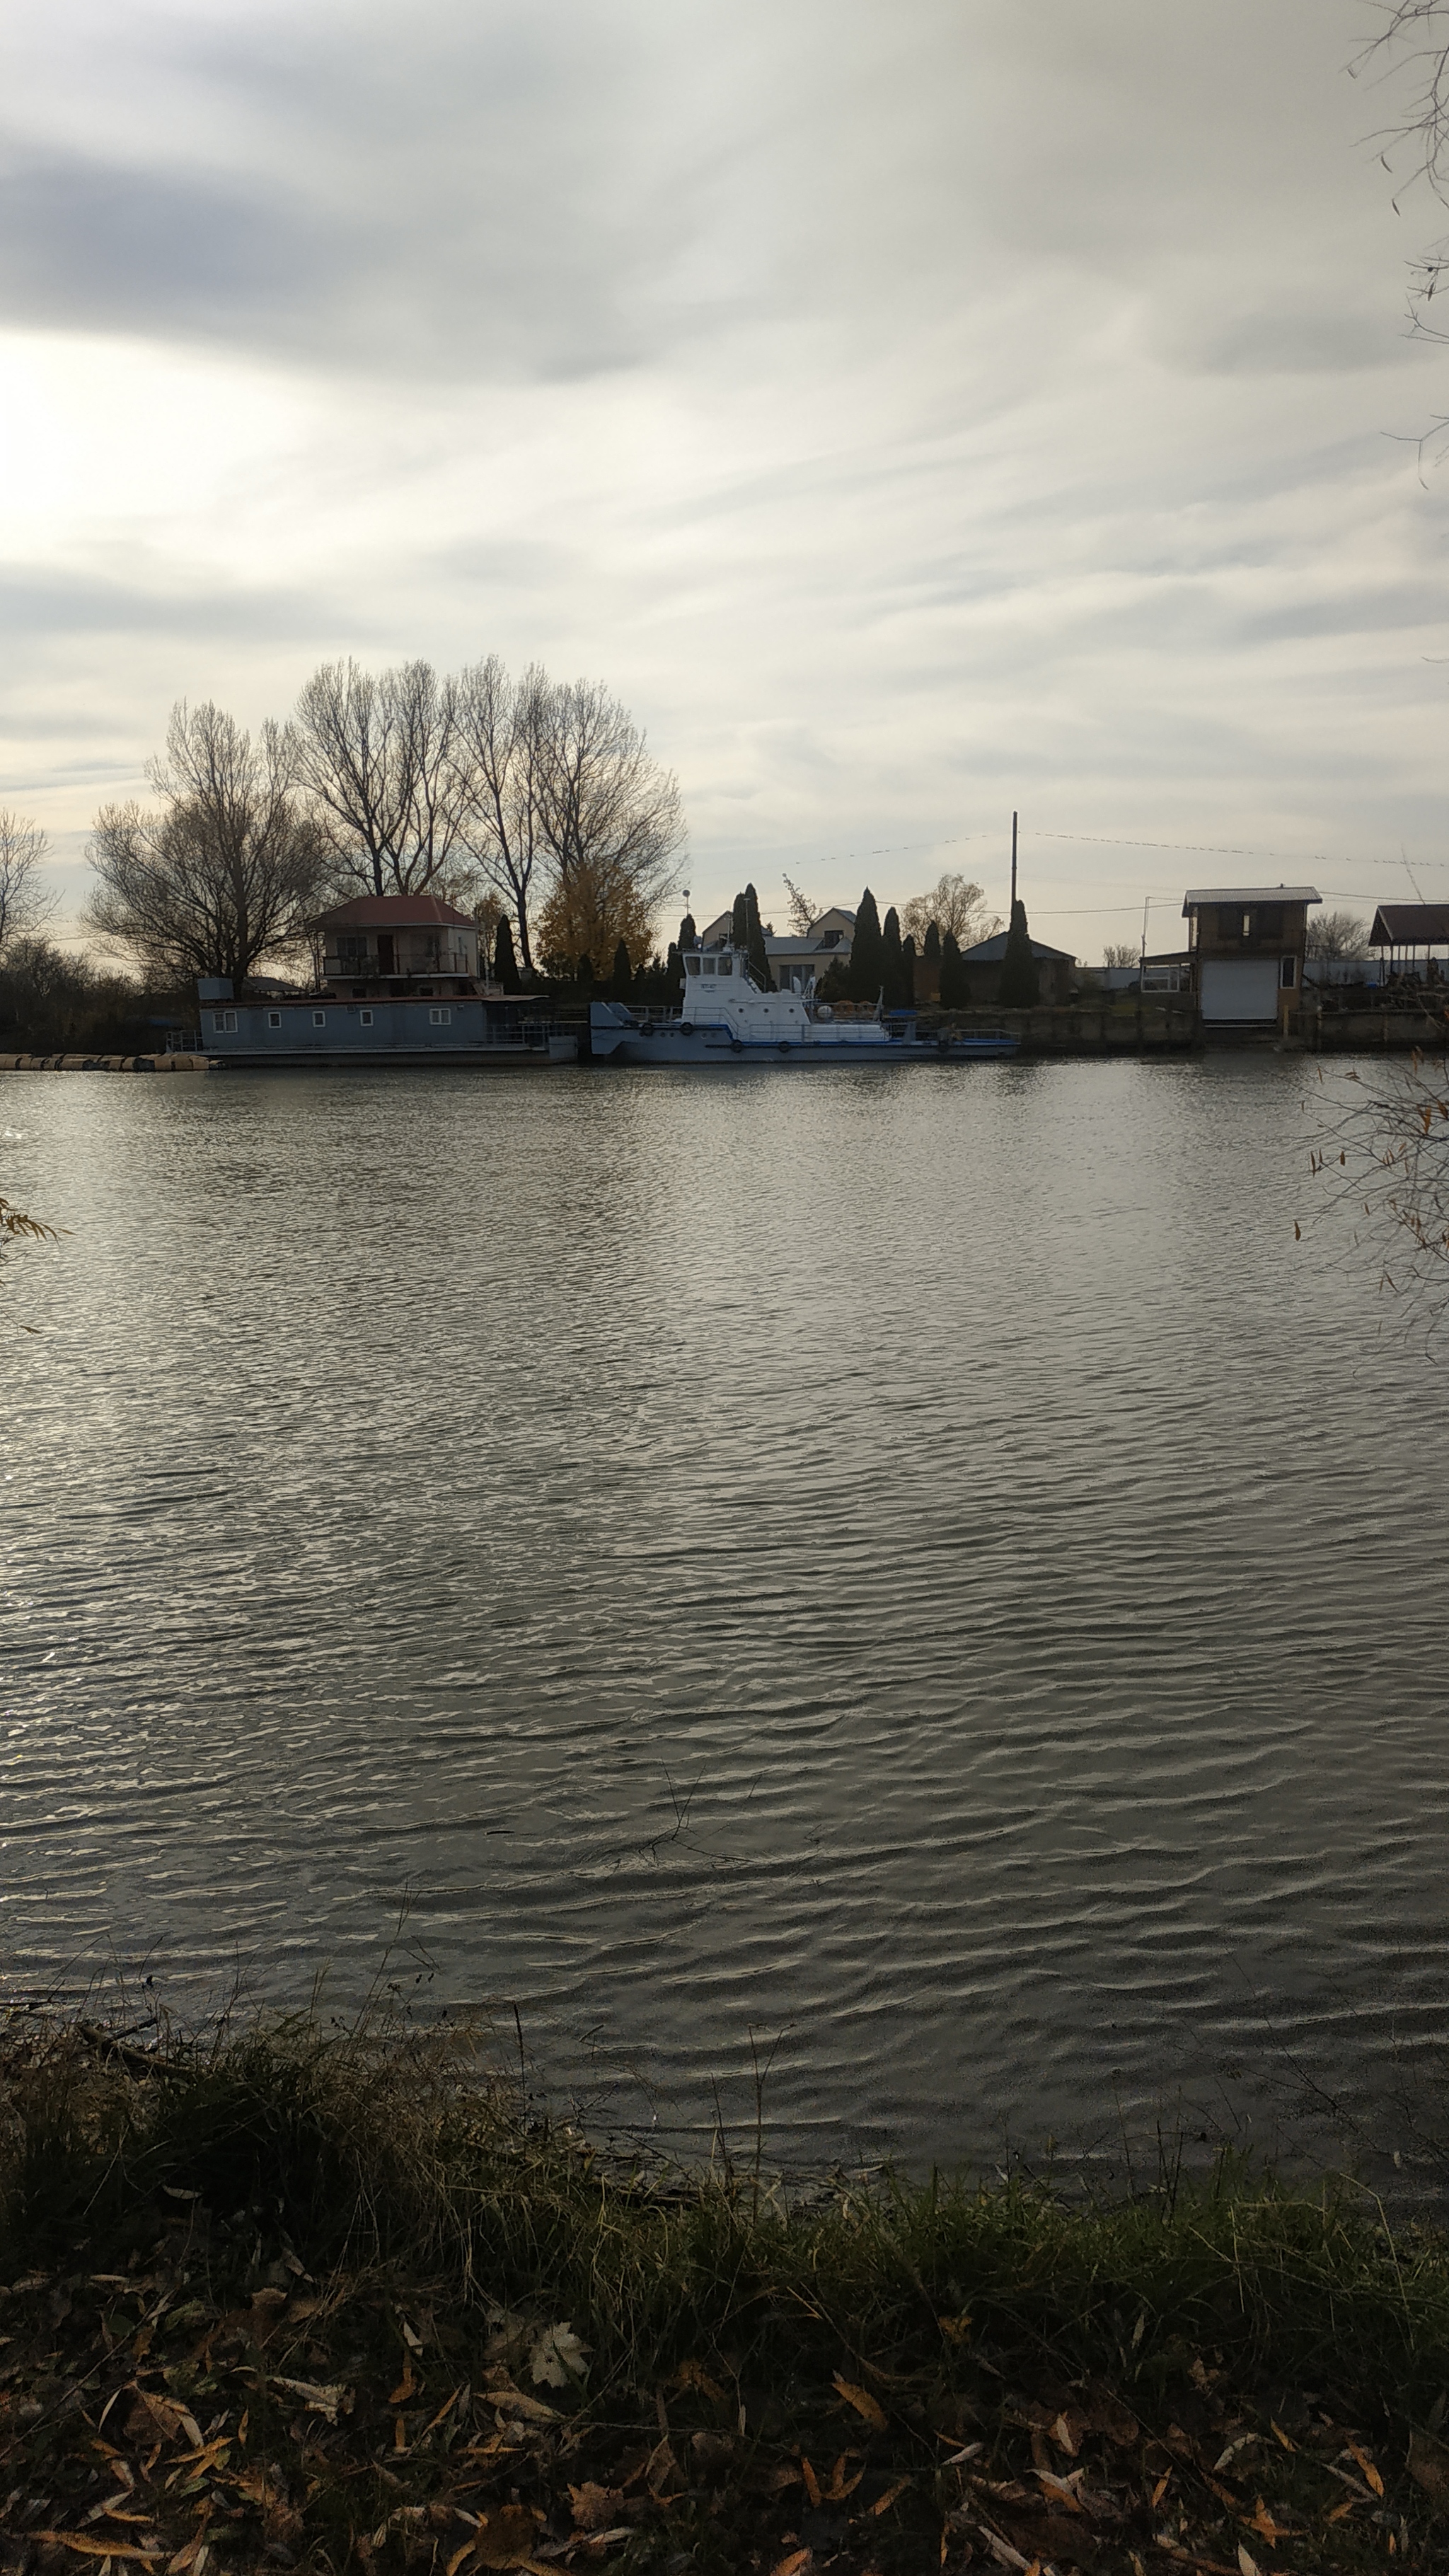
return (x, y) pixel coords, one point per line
(918, 1562)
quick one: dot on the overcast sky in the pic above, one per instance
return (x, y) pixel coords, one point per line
(913, 408)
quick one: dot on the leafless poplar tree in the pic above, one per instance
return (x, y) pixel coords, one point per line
(1338, 934)
(379, 756)
(225, 870)
(25, 900)
(501, 725)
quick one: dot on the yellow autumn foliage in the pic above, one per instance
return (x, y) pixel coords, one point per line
(587, 913)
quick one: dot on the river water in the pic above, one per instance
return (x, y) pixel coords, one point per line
(910, 1582)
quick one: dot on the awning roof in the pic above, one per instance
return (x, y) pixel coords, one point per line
(1248, 894)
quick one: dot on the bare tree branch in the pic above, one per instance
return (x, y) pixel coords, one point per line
(25, 901)
(500, 729)
(379, 754)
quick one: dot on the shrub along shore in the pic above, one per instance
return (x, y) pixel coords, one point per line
(326, 2296)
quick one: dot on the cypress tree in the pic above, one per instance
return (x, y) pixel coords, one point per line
(584, 975)
(622, 981)
(673, 976)
(953, 979)
(890, 960)
(931, 951)
(505, 964)
(688, 935)
(755, 942)
(740, 922)
(908, 973)
(865, 951)
(1017, 990)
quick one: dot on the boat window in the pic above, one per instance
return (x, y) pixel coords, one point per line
(365, 1019)
(727, 965)
(319, 1019)
(691, 965)
(709, 965)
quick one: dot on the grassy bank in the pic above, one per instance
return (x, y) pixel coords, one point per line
(307, 2296)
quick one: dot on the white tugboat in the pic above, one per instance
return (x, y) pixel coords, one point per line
(727, 1019)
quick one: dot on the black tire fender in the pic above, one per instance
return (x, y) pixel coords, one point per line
(737, 1046)
(784, 1046)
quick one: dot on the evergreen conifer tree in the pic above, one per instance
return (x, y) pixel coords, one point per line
(505, 964)
(688, 935)
(953, 980)
(865, 951)
(1017, 990)
(931, 950)
(908, 973)
(621, 983)
(890, 960)
(755, 942)
(673, 977)
(584, 975)
(739, 923)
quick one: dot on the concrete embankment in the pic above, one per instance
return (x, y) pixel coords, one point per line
(105, 1063)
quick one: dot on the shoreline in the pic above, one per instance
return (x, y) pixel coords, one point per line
(324, 2294)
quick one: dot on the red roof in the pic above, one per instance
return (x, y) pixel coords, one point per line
(395, 912)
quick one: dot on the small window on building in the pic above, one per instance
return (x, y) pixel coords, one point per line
(274, 1019)
(319, 1019)
(224, 1022)
(1288, 974)
(440, 1019)
(691, 965)
(364, 1019)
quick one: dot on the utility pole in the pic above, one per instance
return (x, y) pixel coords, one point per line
(1013, 864)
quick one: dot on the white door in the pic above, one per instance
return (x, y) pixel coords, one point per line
(1240, 988)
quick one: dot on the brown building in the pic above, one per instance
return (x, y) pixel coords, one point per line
(982, 965)
(1246, 945)
(392, 944)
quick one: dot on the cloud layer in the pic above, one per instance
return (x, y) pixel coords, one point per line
(914, 413)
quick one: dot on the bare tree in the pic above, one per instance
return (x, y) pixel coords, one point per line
(1120, 952)
(955, 903)
(379, 755)
(1385, 1156)
(604, 802)
(226, 869)
(1338, 934)
(501, 726)
(25, 901)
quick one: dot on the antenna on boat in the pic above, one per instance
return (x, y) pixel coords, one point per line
(1013, 863)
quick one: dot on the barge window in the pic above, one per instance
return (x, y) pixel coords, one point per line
(364, 1019)
(274, 1019)
(439, 1019)
(709, 965)
(319, 1019)
(224, 1020)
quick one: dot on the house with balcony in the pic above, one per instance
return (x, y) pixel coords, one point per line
(1247, 946)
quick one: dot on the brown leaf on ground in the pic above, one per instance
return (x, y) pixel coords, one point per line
(594, 2507)
(506, 2537)
(1429, 2467)
(861, 2399)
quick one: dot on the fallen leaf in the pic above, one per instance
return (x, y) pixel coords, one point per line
(691, 2374)
(505, 2538)
(594, 2507)
(329, 2401)
(1160, 2490)
(1247, 2562)
(413, 2341)
(1064, 2434)
(863, 2402)
(796, 2564)
(1340, 2510)
(884, 2502)
(95, 2548)
(1282, 2436)
(1429, 2466)
(1262, 2522)
(405, 2386)
(456, 2561)
(558, 2359)
(812, 2483)
(1365, 2463)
